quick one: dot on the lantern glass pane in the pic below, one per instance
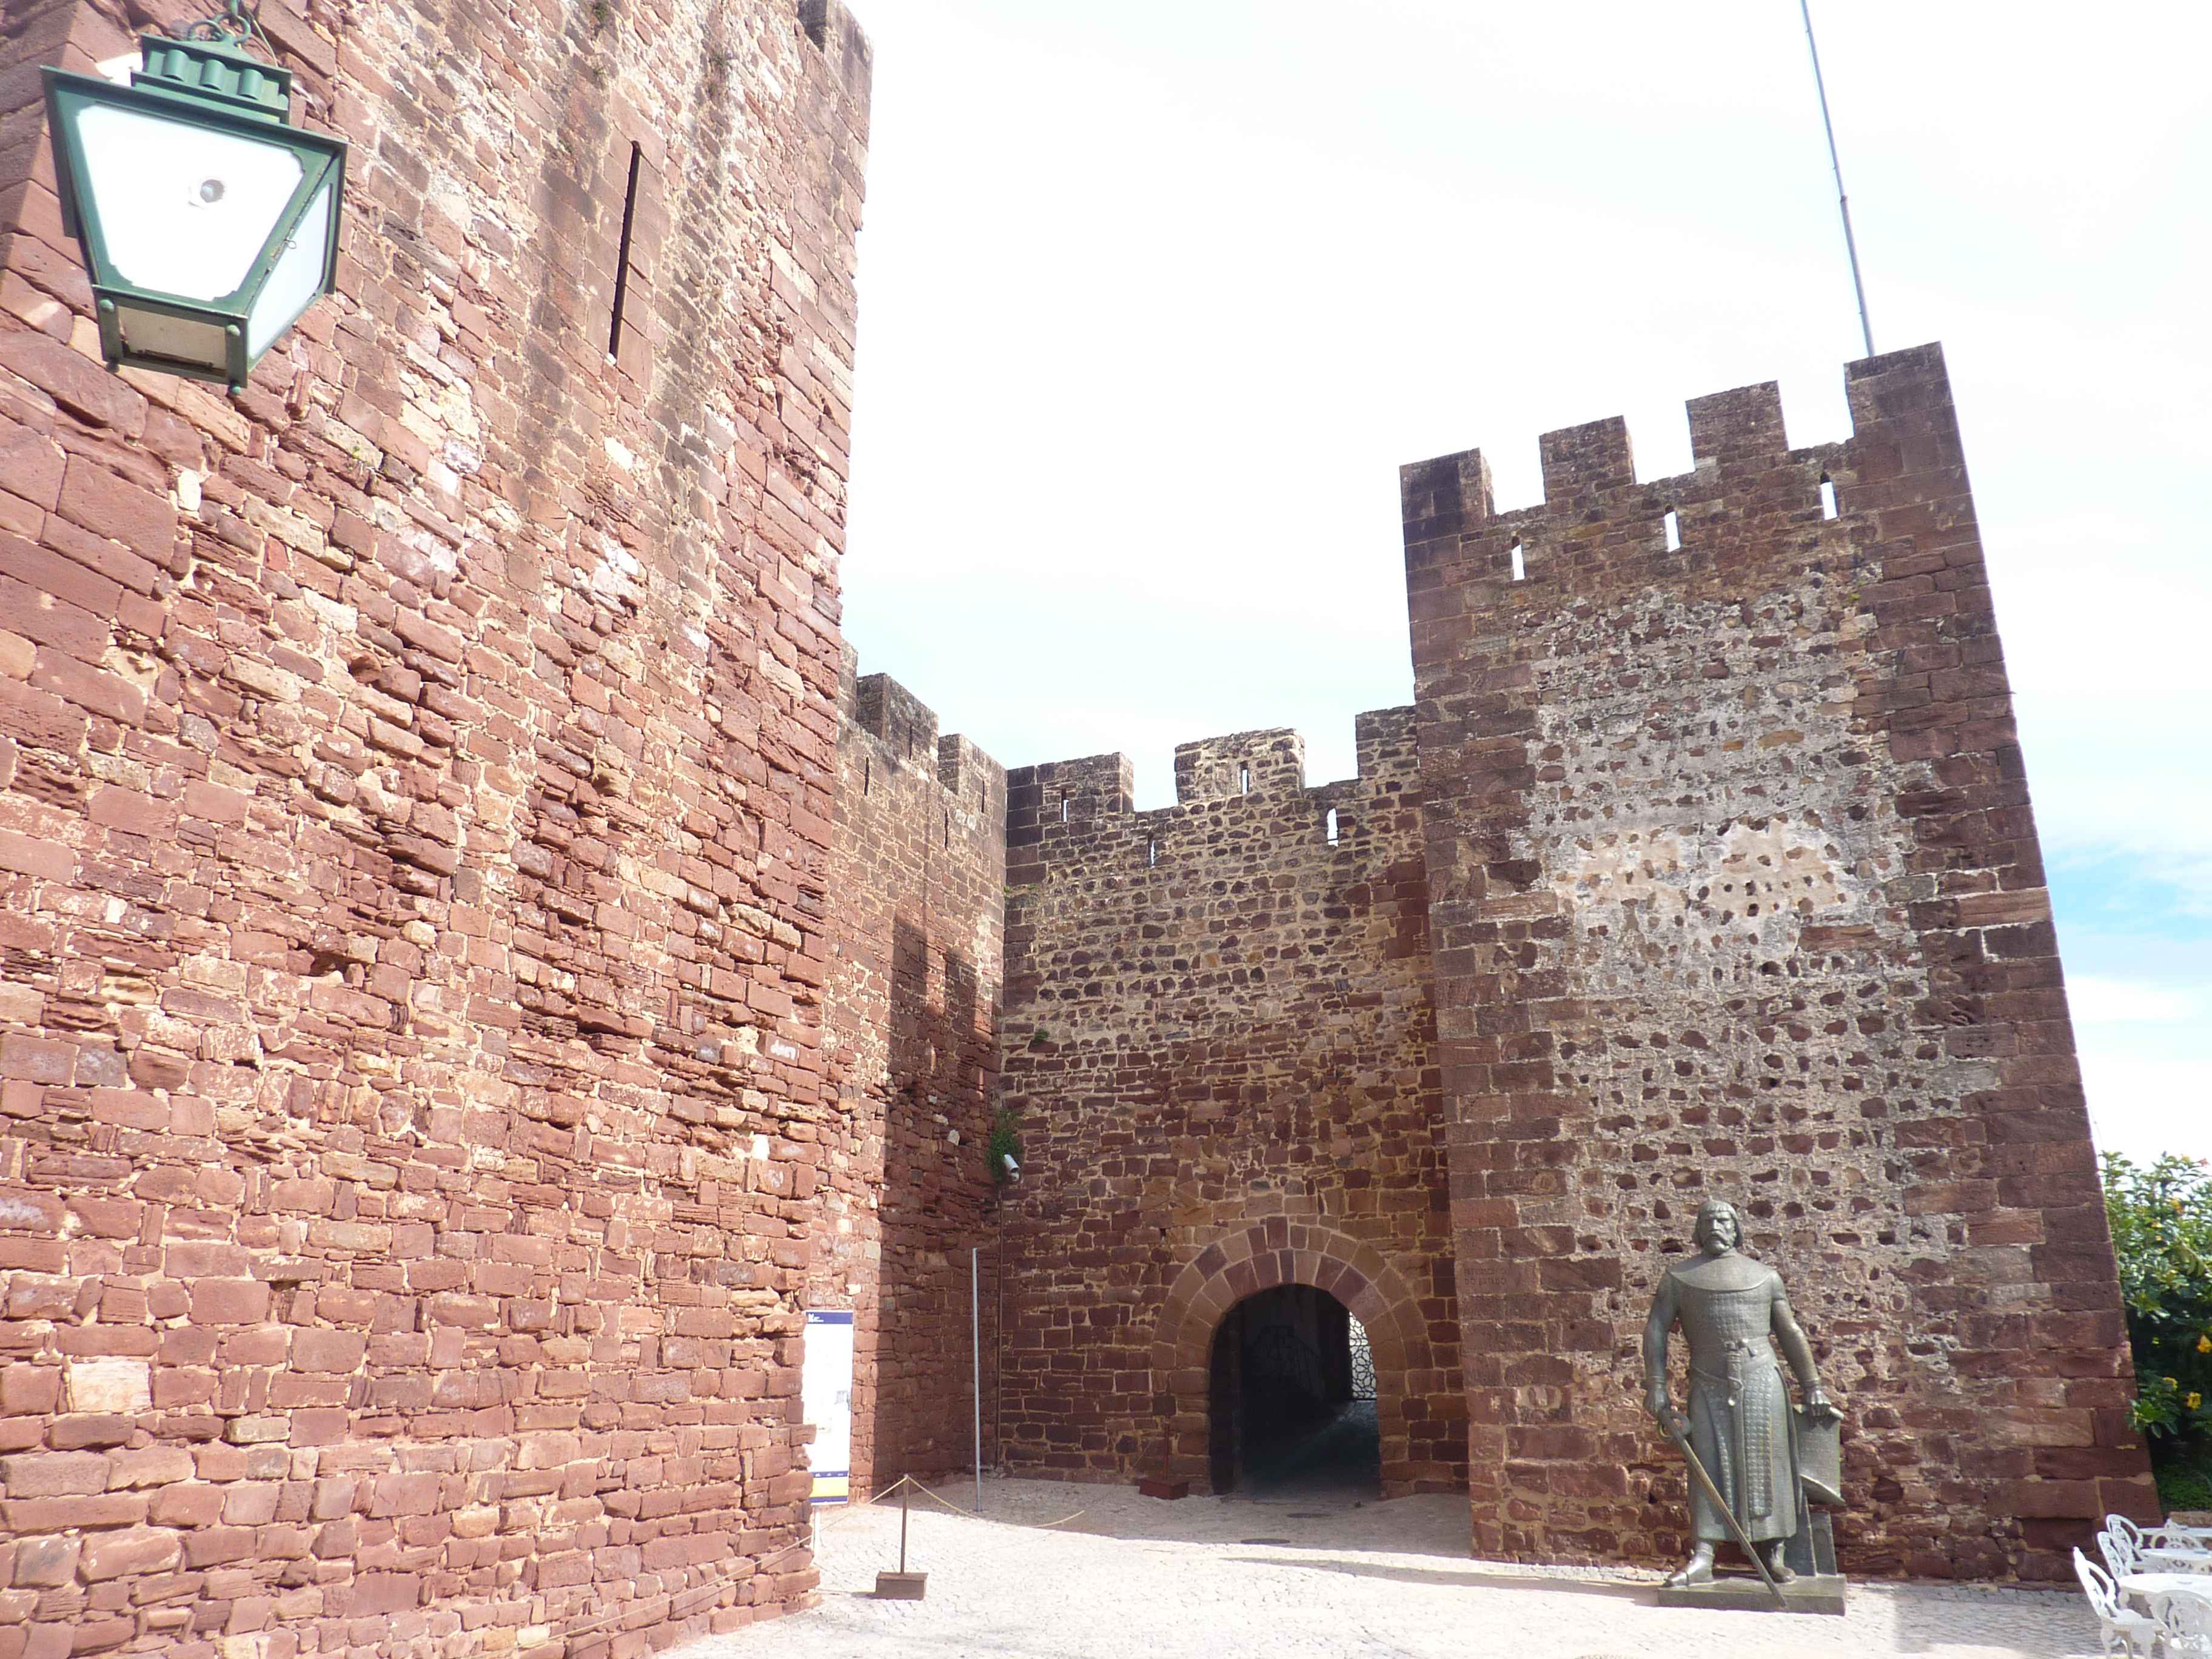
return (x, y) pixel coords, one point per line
(184, 209)
(297, 279)
(174, 340)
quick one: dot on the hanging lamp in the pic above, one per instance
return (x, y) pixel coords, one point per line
(208, 222)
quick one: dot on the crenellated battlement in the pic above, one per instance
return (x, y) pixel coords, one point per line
(1080, 809)
(1241, 763)
(1750, 495)
(1384, 744)
(903, 731)
(1591, 464)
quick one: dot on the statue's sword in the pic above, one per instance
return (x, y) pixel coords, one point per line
(1734, 1526)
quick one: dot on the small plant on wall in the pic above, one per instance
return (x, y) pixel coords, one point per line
(1005, 1148)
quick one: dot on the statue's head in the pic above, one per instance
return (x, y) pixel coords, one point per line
(1719, 1228)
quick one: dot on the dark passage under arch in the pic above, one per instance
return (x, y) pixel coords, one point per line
(1291, 1408)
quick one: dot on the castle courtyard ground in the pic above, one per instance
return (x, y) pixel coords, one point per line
(1311, 1577)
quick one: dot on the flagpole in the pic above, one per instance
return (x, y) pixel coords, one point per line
(1843, 202)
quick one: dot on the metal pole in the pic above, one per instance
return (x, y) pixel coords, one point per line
(999, 1343)
(975, 1357)
(903, 1501)
(1844, 202)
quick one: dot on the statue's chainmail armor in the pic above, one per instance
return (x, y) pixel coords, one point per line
(1737, 1391)
(1729, 1306)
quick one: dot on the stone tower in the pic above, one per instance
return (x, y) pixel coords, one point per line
(1734, 891)
(417, 781)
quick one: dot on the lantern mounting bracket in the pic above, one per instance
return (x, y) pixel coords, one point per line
(239, 25)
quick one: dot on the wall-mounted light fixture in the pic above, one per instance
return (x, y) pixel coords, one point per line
(208, 221)
(1003, 1150)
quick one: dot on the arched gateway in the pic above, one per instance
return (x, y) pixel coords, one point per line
(1259, 1257)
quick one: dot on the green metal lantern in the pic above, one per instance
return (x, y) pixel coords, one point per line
(208, 223)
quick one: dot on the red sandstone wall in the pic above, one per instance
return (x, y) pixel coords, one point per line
(1736, 892)
(416, 783)
(919, 872)
(1219, 1041)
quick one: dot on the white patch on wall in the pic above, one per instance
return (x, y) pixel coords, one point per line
(1745, 873)
(118, 1388)
(615, 577)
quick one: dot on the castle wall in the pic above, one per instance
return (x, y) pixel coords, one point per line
(918, 870)
(476, 965)
(1735, 893)
(1219, 1046)
(416, 789)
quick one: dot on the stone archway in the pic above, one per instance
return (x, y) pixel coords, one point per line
(1248, 1260)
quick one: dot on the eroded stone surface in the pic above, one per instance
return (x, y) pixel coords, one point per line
(416, 777)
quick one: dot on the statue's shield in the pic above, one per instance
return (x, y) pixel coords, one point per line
(1820, 1457)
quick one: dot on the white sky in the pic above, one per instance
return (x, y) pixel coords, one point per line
(1156, 297)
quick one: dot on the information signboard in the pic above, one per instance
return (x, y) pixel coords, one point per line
(825, 1395)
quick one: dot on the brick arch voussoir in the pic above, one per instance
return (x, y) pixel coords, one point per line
(1249, 1259)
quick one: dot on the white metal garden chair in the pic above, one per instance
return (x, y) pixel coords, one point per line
(2182, 1621)
(2131, 1632)
(2164, 1549)
(2123, 1555)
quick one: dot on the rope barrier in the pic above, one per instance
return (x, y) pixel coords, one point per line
(860, 1508)
(1026, 1526)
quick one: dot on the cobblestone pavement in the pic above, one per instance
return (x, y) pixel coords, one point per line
(1312, 1578)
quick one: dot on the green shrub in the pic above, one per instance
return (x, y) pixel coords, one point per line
(2161, 1219)
(2186, 1483)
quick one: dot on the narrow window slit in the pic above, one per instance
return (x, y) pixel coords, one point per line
(1674, 530)
(1152, 850)
(1329, 826)
(1244, 780)
(621, 257)
(1520, 564)
(867, 775)
(1063, 809)
(1827, 496)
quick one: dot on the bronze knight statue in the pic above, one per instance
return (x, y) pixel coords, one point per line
(1739, 1425)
